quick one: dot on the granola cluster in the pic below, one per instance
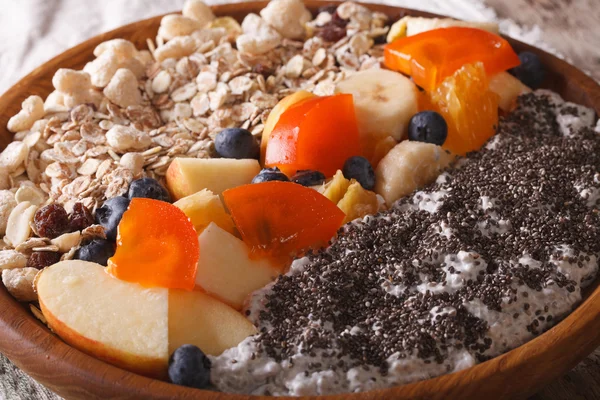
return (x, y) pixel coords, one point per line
(130, 112)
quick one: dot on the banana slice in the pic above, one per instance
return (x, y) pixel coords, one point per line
(409, 26)
(508, 88)
(409, 166)
(384, 102)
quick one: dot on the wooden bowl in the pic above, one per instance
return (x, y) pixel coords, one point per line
(75, 375)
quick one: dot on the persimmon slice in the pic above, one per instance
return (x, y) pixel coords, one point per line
(432, 56)
(157, 245)
(282, 219)
(319, 134)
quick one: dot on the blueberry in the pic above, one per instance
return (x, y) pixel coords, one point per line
(97, 251)
(110, 214)
(360, 168)
(307, 177)
(150, 189)
(236, 143)
(188, 366)
(270, 174)
(428, 127)
(531, 71)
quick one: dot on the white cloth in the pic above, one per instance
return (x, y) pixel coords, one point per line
(33, 31)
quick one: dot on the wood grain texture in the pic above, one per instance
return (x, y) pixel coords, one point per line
(570, 26)
(74, 375)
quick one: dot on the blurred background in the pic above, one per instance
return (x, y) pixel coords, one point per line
(33, 31)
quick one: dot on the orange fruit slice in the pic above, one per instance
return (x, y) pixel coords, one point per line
(469, 107)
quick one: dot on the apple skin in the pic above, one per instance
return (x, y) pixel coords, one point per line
(151, 367)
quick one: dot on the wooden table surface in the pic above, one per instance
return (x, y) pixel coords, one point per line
(573, 28)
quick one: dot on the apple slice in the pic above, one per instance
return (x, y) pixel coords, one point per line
(199, 319)
(187, 176)
(226, 270)
(204, 207)
(119, 322)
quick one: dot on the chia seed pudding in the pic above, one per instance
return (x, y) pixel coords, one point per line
(492, 254)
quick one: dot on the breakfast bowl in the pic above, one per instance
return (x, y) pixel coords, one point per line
(71, 373)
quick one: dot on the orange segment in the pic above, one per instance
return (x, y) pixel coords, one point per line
(431, 56)
(157, 245)
(469, 108)
(282, 219)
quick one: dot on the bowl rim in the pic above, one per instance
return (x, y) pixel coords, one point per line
(68, 371)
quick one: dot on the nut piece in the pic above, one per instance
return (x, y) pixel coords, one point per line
(10, 259)
(7, 203)
(32, 109)
(258, 37)
(19, 283)
(31, 194)
(176, 48)
(287, 17)
(133, 162)
(13, 156)
(199, 11)
(177, 25)
(161, 82)
(123, 89)
(125, 138)
(18, 228)
(67, 241)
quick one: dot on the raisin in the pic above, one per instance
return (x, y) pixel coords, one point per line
(338, 21)
(331, 33)
(262, 70)
(51, 221)
(80, 218)
(43, 259)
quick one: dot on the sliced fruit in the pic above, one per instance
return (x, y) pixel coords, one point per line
(508, 88)
(157, 245)
(119, 322)
(384, 102)
(380, 148)
(283, 105)
(199, 319)
(204, 207)
(282, 219)
(225, 269)
(409, 26)
(407, 167)
(469, 108)
(432, 56)
(187, 176)
(337, 187)
(318, 134)
(358, 202)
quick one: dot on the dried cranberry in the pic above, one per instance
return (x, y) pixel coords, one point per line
(43, 259)
(331, 33)
(51, 221)
(80, 218)
(262, 70)
(328, 9)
